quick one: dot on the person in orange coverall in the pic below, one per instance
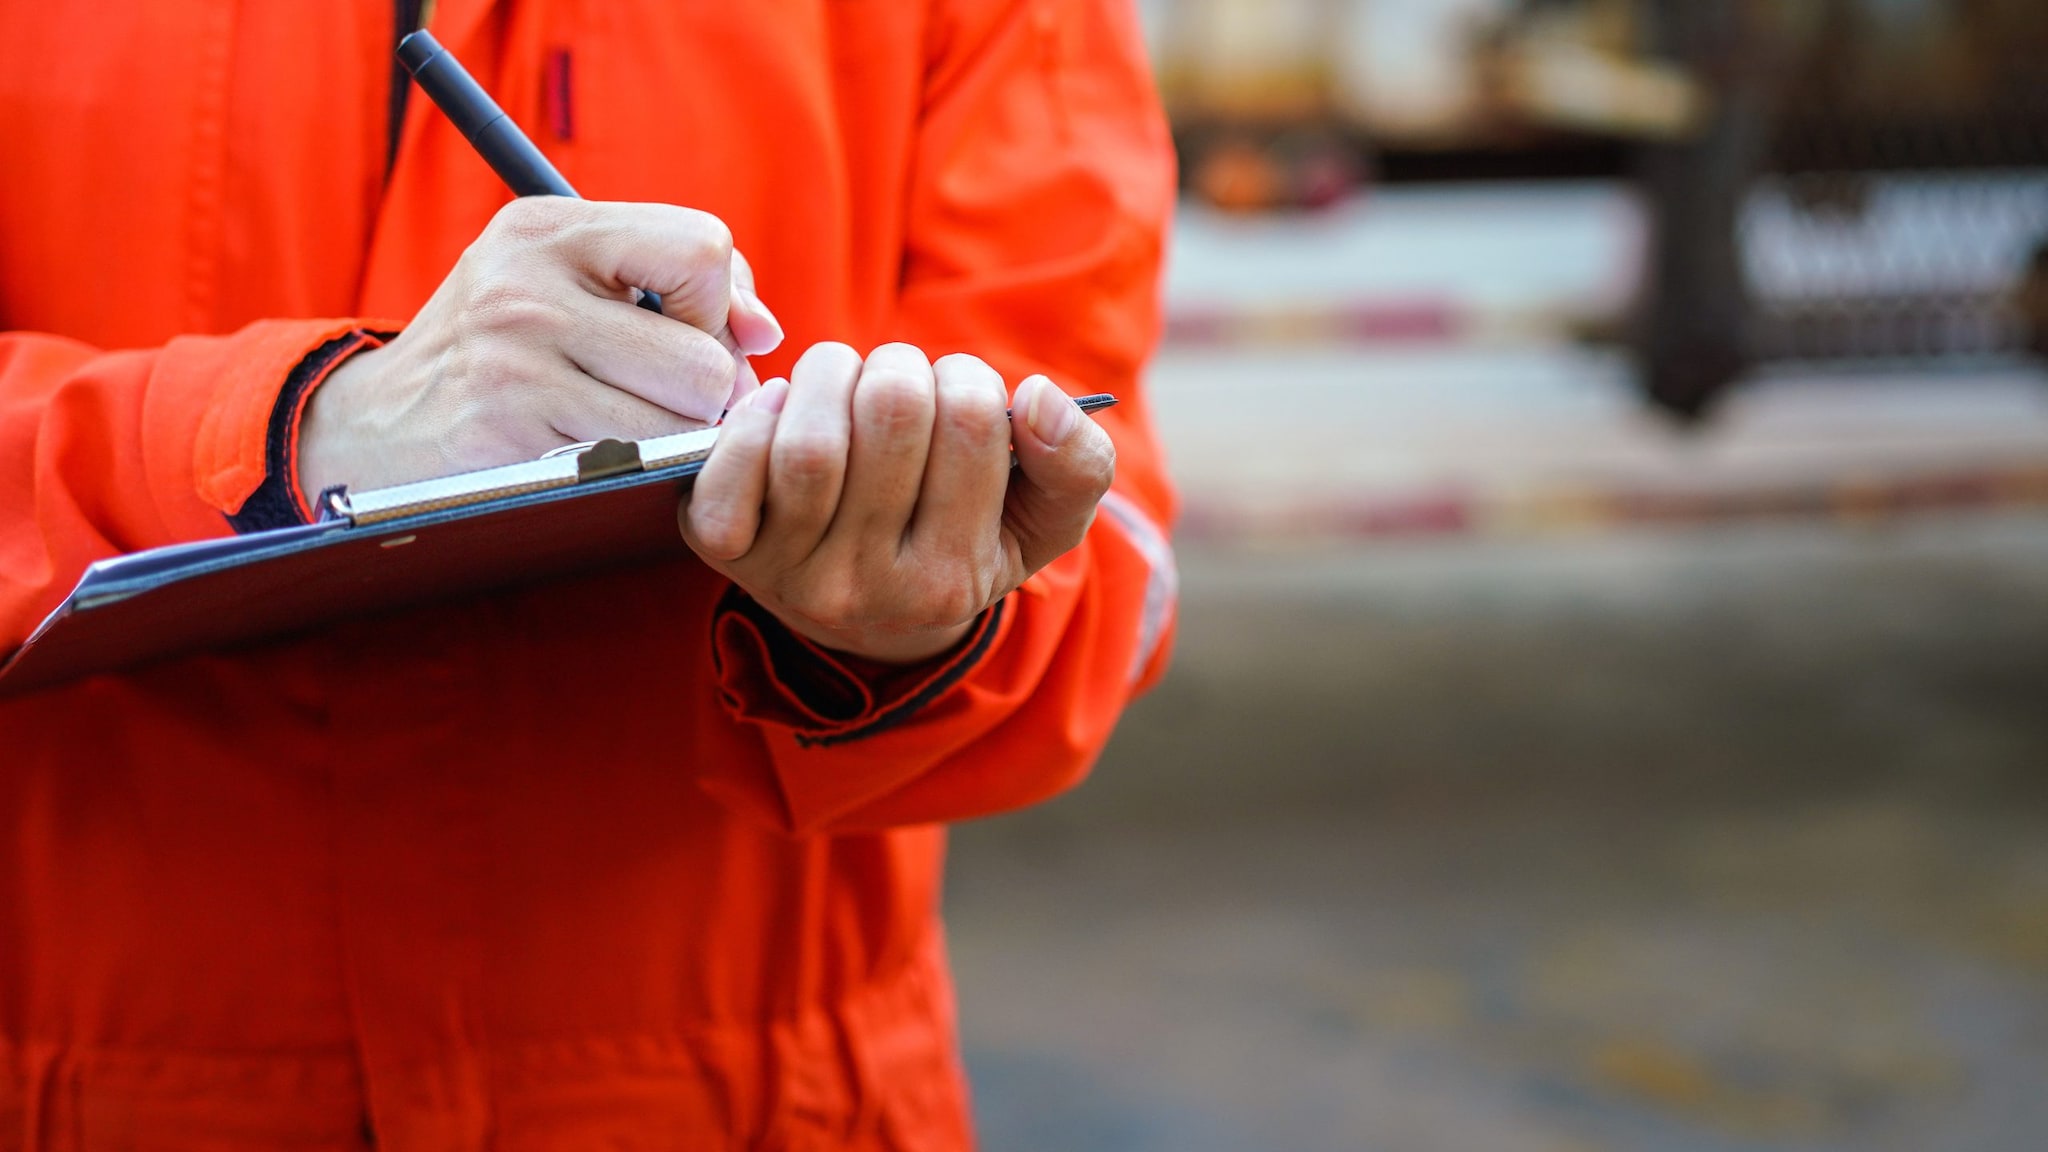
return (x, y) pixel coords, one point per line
(642, 859)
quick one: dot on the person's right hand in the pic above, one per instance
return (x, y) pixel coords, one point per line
(534, 341)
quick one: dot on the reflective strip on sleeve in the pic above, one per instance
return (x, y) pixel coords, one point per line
(1162, 586)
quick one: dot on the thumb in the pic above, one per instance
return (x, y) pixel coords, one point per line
(754, 329)
(1065, 462)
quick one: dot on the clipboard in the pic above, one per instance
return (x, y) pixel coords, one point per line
(575, 510)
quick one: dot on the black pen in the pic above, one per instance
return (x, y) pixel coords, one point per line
(1095, 402)
(492, 133)
(508, 151)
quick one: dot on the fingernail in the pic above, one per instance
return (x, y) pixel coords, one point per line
(1051, 414)
(769, 399)
(759, 344)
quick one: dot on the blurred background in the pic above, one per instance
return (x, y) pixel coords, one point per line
(1611, 704)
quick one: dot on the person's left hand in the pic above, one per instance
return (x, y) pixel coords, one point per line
(872, 507)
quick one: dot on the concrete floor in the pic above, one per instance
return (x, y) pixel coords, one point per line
(1703, 841)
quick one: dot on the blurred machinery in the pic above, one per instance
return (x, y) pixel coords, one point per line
(1825, 179)
(1276, 101)
(1872, 185)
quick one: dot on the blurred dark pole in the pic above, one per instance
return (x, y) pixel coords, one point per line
(1694, 328)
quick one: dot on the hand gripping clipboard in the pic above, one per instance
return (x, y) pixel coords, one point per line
(575, 510)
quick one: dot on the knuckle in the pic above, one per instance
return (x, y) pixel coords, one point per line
(898, 350)
(531, 218)
(705, 373)
(982, 388)
(808, 462)
(716, 529)
(968, 368)
(500, 300)
(834, 601)
(959, 599)
(893, 402)
(829, 354)
(708, 239)
(976, 415)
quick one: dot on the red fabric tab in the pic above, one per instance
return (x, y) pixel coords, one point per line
(556, 94)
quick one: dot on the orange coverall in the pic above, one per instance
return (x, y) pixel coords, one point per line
(606, 863)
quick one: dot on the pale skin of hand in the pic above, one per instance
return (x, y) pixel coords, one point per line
(534, 341)
(871, 504)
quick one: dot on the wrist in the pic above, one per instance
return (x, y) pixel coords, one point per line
(335, 444)
(883, 647)
(280, 501)
(772, 675)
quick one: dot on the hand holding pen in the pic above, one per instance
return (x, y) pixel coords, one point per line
(532, 342)
(869, 502)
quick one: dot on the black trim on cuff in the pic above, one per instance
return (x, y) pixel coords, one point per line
(840, 698)
(957, 668)
(825, 689)
(272, 505)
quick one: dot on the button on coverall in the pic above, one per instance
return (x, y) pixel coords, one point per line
(602, 863)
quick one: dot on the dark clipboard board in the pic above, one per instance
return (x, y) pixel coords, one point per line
(381, 552)
(226, 593)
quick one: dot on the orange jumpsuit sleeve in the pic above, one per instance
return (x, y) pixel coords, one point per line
(104, 453)
(1041, 190)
